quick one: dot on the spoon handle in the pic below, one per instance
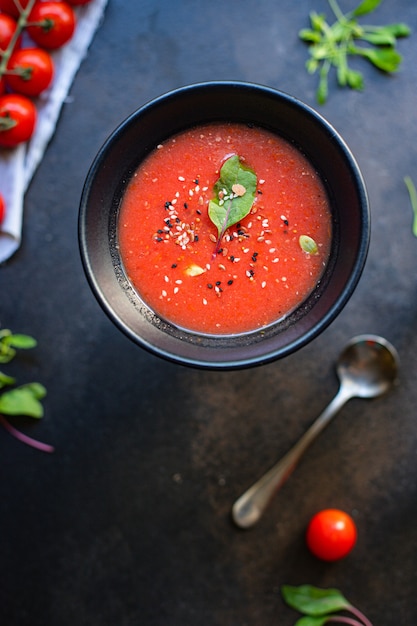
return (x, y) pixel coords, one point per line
(249, 508)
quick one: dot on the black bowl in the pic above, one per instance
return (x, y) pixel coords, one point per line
(190, 106)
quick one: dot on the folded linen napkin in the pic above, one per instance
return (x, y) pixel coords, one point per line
(18, 165)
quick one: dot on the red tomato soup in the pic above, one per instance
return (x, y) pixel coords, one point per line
(259, 272)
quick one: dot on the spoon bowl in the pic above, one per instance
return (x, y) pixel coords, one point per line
(367, 367)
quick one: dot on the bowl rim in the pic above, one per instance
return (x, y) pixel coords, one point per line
(240, 358)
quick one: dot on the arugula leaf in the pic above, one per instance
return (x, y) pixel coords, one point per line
(234, 195)
(331, 46)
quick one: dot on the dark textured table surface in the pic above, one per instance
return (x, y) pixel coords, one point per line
(128, 522)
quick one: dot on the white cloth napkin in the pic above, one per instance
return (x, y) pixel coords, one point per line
(18, 165)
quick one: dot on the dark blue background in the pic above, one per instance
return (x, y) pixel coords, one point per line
(128, 522)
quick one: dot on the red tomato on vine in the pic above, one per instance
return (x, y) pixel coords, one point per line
(7, 30)
(51, 24)
(331, 534)
(2, 209)
(29, 71)
(17, 119)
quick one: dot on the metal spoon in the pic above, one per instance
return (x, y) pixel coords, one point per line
(367, 367)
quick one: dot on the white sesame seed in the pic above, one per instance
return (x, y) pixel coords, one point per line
(204, 301)
(181, 178)
(166, 279)
(176, 289)
(178, 282)
(275, 260)
(164, 293)
(263, 284)
(272, 250)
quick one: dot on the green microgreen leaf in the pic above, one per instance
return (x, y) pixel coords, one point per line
(6, 381)
(234, 195)
(332, 45)
(10, 342)
(23, 400)
(313, 601)
(365, 7)
(386, 59)
(412, 192)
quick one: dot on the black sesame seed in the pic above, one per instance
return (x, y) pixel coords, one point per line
(159, 239)
(196, 180)
(167, 204)
(232, 258)
(209, 285)
(177, 219)
(230, 282)
(259, 192)
(160, 231)
(198, 212)
(185, 205)
(218, 282)
(195, 237)
(174, 265)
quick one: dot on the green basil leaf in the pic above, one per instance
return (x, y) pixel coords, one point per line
(314, 601)
(235, 193)
(23, 400)
(367, 6)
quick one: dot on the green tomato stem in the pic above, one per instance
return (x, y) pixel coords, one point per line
(21, 24)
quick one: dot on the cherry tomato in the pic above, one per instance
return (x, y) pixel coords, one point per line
(2, 209)
(51, 24)
(31, 71)
(11, 7)
(7, 29)
(331, 534)
(17, 119)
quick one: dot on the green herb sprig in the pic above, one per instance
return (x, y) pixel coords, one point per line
(322, 606)
(333, 45)
(234, 196)
(23, 399)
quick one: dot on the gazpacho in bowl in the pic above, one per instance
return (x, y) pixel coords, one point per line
(224, 225)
